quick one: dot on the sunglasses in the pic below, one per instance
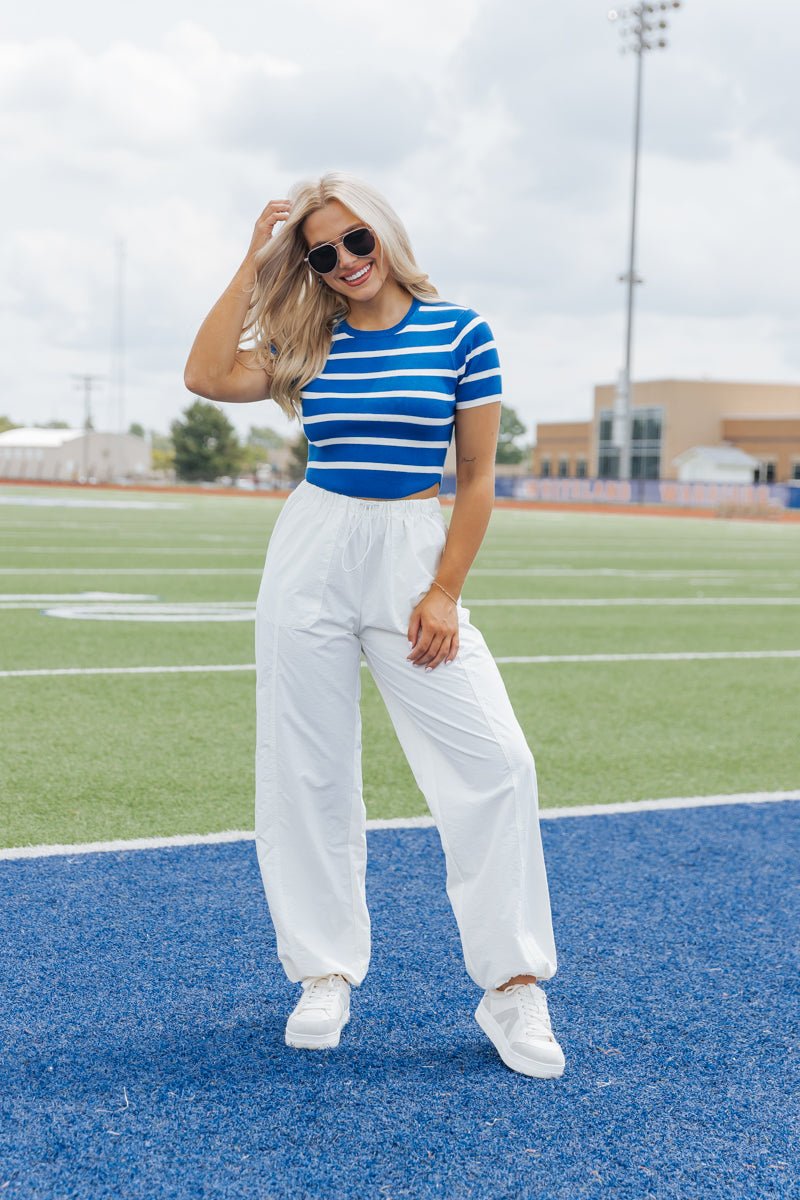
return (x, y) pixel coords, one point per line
(324, 259)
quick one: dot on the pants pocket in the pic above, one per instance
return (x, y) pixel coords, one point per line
(427, 542)
(297, 564)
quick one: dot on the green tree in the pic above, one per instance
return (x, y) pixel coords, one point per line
(54, 425)
(161, 441)
(510, 429)
(206, 445)
(298, 456)
(136, 429)
(264, 437)
(6, 423)
(161, 459)
(256, 450)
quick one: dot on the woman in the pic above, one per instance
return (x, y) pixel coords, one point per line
(349, 336)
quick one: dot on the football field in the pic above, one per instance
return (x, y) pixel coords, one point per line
(142, 1004)
(645, 658)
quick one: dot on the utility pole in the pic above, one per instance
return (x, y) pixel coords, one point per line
(87, 382)
(118, 367)
(642, 26)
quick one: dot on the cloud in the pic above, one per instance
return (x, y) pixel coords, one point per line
(500, 131)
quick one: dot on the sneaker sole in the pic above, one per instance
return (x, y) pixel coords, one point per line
(515, 1062)
(316, 1041)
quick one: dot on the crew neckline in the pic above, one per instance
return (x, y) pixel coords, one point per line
(352, 329)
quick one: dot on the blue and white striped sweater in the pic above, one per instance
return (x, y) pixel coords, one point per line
(380, 416)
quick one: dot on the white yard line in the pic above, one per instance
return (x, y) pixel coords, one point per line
(100, 570)
(544, 659)
(623, 572)
(546, 814)
(634, 602)
(254, 551)
(494, 602)
(178, 670)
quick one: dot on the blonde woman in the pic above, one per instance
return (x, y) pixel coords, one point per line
(347, 335)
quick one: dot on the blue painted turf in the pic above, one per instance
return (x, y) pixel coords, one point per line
(152, 975)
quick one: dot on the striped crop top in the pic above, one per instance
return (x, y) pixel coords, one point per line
(380, 416)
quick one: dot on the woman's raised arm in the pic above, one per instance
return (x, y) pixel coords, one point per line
(216, 368)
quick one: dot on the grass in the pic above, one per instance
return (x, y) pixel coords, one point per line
(95, 757)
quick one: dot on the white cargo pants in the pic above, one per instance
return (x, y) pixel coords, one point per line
(342, 576)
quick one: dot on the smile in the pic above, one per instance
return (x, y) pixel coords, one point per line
(358, 276)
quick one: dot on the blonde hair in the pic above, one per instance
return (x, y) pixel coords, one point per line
(293, 311)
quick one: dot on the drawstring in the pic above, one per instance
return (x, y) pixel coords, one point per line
(357, 525)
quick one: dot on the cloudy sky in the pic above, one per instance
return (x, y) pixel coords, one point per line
(501, 131)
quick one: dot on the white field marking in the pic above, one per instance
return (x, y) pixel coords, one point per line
(179, 670)
(131, 571)
(227, 610)
(613, 572)
(666, 656)
(59, 502)
(11, 600)
(223, 611)
(193, 550)
(545, 814)
(634, 601)
(211, 668)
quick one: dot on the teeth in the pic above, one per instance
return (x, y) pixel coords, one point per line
(358, 274)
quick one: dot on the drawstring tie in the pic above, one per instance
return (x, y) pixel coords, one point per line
(356, 526)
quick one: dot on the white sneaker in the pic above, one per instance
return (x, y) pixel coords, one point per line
(517, 1022)
(320, 1014)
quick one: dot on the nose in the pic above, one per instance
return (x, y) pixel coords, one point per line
(347, 261)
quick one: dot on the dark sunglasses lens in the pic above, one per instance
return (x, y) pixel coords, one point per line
(323, 259)
(360, 242)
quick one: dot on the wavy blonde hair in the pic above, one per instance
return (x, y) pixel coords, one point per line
(293, 311)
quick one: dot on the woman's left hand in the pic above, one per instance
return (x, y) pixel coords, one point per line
(433, 630)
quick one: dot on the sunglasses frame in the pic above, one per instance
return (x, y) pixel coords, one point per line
(334, 246)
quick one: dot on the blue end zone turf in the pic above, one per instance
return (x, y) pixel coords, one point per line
(143, 1020)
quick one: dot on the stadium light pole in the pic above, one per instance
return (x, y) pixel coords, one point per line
(642, 25)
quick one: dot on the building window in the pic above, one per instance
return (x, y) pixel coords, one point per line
(796, 470)
(580, 468)
(545, 469)
(563, 468)
(646, 429)
(645, 466)
(608, 464)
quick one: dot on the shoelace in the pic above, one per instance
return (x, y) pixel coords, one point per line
(320, 993)
(534, 1010)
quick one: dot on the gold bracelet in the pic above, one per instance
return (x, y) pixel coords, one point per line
(444, 589)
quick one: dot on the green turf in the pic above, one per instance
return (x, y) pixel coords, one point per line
(97, 757)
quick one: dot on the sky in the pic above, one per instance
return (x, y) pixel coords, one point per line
(500, 130)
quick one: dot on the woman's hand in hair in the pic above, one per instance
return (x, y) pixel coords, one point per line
(433, 630)
(276, 210)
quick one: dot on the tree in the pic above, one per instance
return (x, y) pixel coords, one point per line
(6, 423)
(510, 428)
(161, 459)
(206, 445)
(298, 458)
(136, 429)
(264, 437)
(261, 439)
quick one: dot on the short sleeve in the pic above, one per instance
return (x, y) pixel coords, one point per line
(478, 365)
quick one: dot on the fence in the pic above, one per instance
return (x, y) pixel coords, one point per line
(733, 497)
